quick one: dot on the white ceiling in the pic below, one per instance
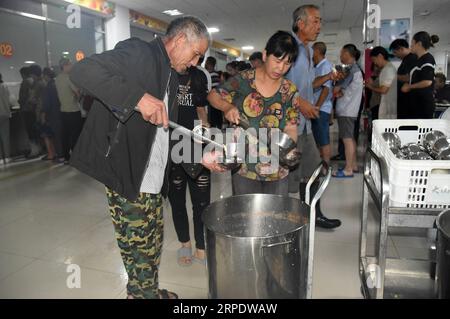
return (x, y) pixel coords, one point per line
(438, 22)
(251, 22)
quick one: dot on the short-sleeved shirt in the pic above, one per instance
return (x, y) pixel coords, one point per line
(192, 92)
(348, 105)
(422, 100)
(67, 97)
(262, 112)
(388, 104)
(303, 74)
(323, 68)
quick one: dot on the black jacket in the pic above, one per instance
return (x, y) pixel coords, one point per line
(115, 143)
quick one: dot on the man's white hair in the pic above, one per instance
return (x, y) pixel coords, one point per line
(192, 27)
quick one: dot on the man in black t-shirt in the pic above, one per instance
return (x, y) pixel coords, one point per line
(192, 92)
(401, 50)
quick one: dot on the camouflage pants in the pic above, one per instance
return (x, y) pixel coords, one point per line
(139, 229)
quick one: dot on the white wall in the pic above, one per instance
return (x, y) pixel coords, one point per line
(335, 40)
(441, 58)
(118, 27)
(357, 38)
(397, 9)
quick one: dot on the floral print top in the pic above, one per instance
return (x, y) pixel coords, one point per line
(261, 112)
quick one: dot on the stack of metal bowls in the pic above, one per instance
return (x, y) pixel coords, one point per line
(435, 145)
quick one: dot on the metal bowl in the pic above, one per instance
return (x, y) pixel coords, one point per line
(412, 148)
(430, 138)
(444, 156)
(421, 156)
(232, 158)
(290, 159)
(343, 68)
(286, 143)
(398, 153)
(392, 139)
(439, 146)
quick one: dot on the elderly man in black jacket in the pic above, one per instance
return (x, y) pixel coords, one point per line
(125, 140)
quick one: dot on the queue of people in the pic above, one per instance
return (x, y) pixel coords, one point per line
(51, 110)
(138, 87)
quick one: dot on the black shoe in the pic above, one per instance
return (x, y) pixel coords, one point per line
(323, 222)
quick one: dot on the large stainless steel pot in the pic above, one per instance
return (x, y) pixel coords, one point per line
(261, 246)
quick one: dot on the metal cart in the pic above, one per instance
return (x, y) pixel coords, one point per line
(383, 277)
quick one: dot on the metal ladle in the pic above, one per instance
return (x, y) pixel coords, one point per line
(230, 150)
(195, 135)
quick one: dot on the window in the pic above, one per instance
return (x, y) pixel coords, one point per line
(26, 37)
(66, 42)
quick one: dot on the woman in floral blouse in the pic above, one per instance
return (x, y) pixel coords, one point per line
(265, 99)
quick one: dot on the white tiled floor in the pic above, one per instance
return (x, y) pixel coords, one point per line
(51, 216)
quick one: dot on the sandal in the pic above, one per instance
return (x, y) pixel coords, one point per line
(186, 254)
(165, 294)
(199, 261)
(341, 174)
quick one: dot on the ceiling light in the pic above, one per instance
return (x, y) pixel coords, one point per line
(213, 30)
(248, 47)
(224, 50)
(65, 53)
(29, 62)
(173, 12)
(424, 13)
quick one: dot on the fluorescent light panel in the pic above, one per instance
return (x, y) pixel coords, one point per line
(173, 12)
(213, 30)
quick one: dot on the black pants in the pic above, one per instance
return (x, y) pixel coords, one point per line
(71, 130)
(215, 117)
(374, 116)
(29, 118)
(200, 190)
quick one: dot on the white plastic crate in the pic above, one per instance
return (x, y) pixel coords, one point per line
(413, 183)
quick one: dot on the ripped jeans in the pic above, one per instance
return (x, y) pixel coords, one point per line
(200, 190)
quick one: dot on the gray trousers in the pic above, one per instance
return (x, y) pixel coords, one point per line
(243, 185)
(307, 146)
(4, 137)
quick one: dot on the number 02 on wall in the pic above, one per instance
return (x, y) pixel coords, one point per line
(6, 50)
